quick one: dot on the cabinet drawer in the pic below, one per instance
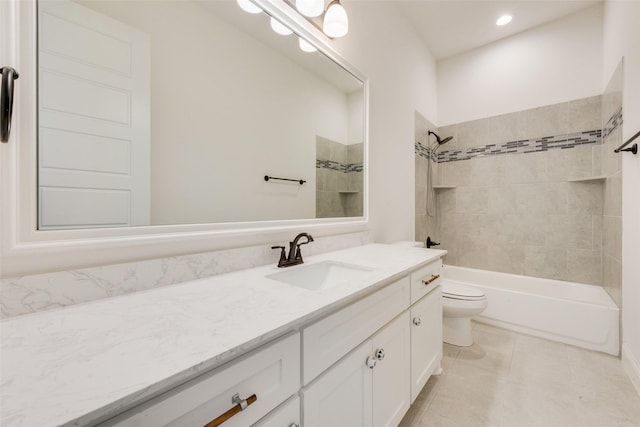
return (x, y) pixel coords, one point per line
(431, 273)
(329, 339)
(287, 415)
(271, 373)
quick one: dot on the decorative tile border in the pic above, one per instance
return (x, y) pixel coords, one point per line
(523, 146)
(612, 124)
(339, 167)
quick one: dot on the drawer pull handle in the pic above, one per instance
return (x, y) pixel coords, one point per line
(433, 278)
(239, 406)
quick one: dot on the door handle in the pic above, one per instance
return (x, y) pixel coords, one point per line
(6, 101)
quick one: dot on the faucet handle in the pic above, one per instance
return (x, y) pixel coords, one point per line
(283, 256)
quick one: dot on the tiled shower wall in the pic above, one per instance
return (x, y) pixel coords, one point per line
(611, 169)
(339, 181)
(516, 206)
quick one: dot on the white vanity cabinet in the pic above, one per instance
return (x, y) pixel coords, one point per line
(360, 366)
(369, 387)
(272, 373)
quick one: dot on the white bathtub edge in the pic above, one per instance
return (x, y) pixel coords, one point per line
(610, 347)
(631, 366)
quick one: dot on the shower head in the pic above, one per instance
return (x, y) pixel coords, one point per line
(440, 141)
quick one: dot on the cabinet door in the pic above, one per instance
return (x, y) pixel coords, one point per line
(426, 339)
(391, 382)
(341, 397)
(286, 415)
(327, 340)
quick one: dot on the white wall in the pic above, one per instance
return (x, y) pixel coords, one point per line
(226, 110)
(622, 39)
(382, 44)
(556, 62)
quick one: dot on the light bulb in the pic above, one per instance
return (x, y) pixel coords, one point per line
(310, 8)
(279, 28)
(305, 45)
(248, 6)
(504, 20)
(336, 23)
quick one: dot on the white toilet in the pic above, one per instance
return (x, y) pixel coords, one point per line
(459, 303)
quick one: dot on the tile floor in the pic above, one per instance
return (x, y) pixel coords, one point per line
(514, 380)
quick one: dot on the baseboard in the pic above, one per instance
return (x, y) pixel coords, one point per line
(632, 366)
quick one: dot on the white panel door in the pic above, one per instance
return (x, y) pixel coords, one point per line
(94, 119)
(341, 397)
(426, 339)
(391, 385)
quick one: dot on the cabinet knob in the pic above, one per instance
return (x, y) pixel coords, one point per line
(380, 354)
(417, 321)
(371, 362)
(295, 425)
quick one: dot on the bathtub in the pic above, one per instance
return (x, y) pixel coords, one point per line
(572, 313)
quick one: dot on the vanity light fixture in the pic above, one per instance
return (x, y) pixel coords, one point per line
(279, 28)
(504, 20)
(248, 6)
(310, 8)
(305, 46)
(336, 22)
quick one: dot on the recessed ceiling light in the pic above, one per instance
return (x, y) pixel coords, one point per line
(504, 20)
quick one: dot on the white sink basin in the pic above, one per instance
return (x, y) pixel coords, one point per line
(325, 274)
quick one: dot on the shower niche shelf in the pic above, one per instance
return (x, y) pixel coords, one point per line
(595, 178)
(444, 187)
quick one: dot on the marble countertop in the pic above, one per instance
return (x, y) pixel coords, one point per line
(79, 364)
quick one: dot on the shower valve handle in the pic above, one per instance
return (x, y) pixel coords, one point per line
(431, 242)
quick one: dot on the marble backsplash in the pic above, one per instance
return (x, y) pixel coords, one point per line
(30, 294)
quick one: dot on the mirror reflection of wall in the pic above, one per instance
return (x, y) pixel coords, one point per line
(189, 138)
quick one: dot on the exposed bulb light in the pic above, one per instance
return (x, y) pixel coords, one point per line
(248, 6)
(504, 20)
(336, 23)
(305, 46)
(279, 28)
(310, 8)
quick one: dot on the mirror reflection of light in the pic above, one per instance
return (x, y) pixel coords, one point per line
(305, 46)
(310, 8)
(504, 20)
(248, 6)
(336, 23)
(279, 28)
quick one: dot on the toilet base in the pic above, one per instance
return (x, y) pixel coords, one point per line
(457, 331)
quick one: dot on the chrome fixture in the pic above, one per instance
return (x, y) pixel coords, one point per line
(295, 256)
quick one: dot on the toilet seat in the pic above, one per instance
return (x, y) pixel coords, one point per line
(462, 292)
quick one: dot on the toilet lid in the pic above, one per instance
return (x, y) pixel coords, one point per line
(460, 291)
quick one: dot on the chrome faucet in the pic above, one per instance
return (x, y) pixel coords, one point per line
(295, 256)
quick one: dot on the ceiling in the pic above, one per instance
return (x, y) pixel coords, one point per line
(450, 27)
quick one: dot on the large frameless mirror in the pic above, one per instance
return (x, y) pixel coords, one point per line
(176, 112)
